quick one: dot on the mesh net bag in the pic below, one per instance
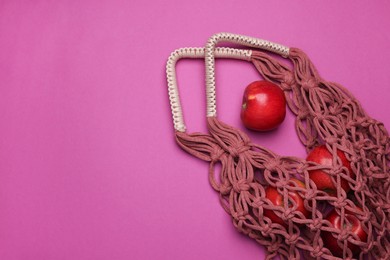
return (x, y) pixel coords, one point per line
(326, 115)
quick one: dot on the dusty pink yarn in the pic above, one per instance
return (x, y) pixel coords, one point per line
(326, 113)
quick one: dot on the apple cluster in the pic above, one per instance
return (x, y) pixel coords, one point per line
(264, 109)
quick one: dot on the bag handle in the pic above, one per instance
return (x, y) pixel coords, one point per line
(191, 52)
(210, 60)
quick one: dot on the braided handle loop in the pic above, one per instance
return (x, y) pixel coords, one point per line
(210, 62)
(173, 91)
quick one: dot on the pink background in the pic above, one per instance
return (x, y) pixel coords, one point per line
(88, 165)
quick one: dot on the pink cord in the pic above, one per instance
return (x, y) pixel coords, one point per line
(326, 113)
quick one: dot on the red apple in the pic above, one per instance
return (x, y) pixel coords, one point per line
(352, 224)
(263, 106)
(323, 180)
(276, 198)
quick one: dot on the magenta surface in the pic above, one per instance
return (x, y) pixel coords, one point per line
(88, 165)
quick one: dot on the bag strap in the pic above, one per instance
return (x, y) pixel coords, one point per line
(236, 39)
(193, 53)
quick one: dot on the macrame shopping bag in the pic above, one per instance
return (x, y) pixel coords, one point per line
(326, 114)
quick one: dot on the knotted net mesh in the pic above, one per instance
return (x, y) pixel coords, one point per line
(326, 114)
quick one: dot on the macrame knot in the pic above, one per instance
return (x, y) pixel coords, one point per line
(340, 202)
(240, 186)
(257, 203)
(315, 225)
(287, 81)
(288, 214)
(272, 164)
(274, 247)
(301, 170)
(240, 216)
(317, 252)
(216, 154)
(292, 240)
(355, 159)
(309, 84)
(237, 149)
(309, 194)
(343, 235)
(330, 139)
(359, 186)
